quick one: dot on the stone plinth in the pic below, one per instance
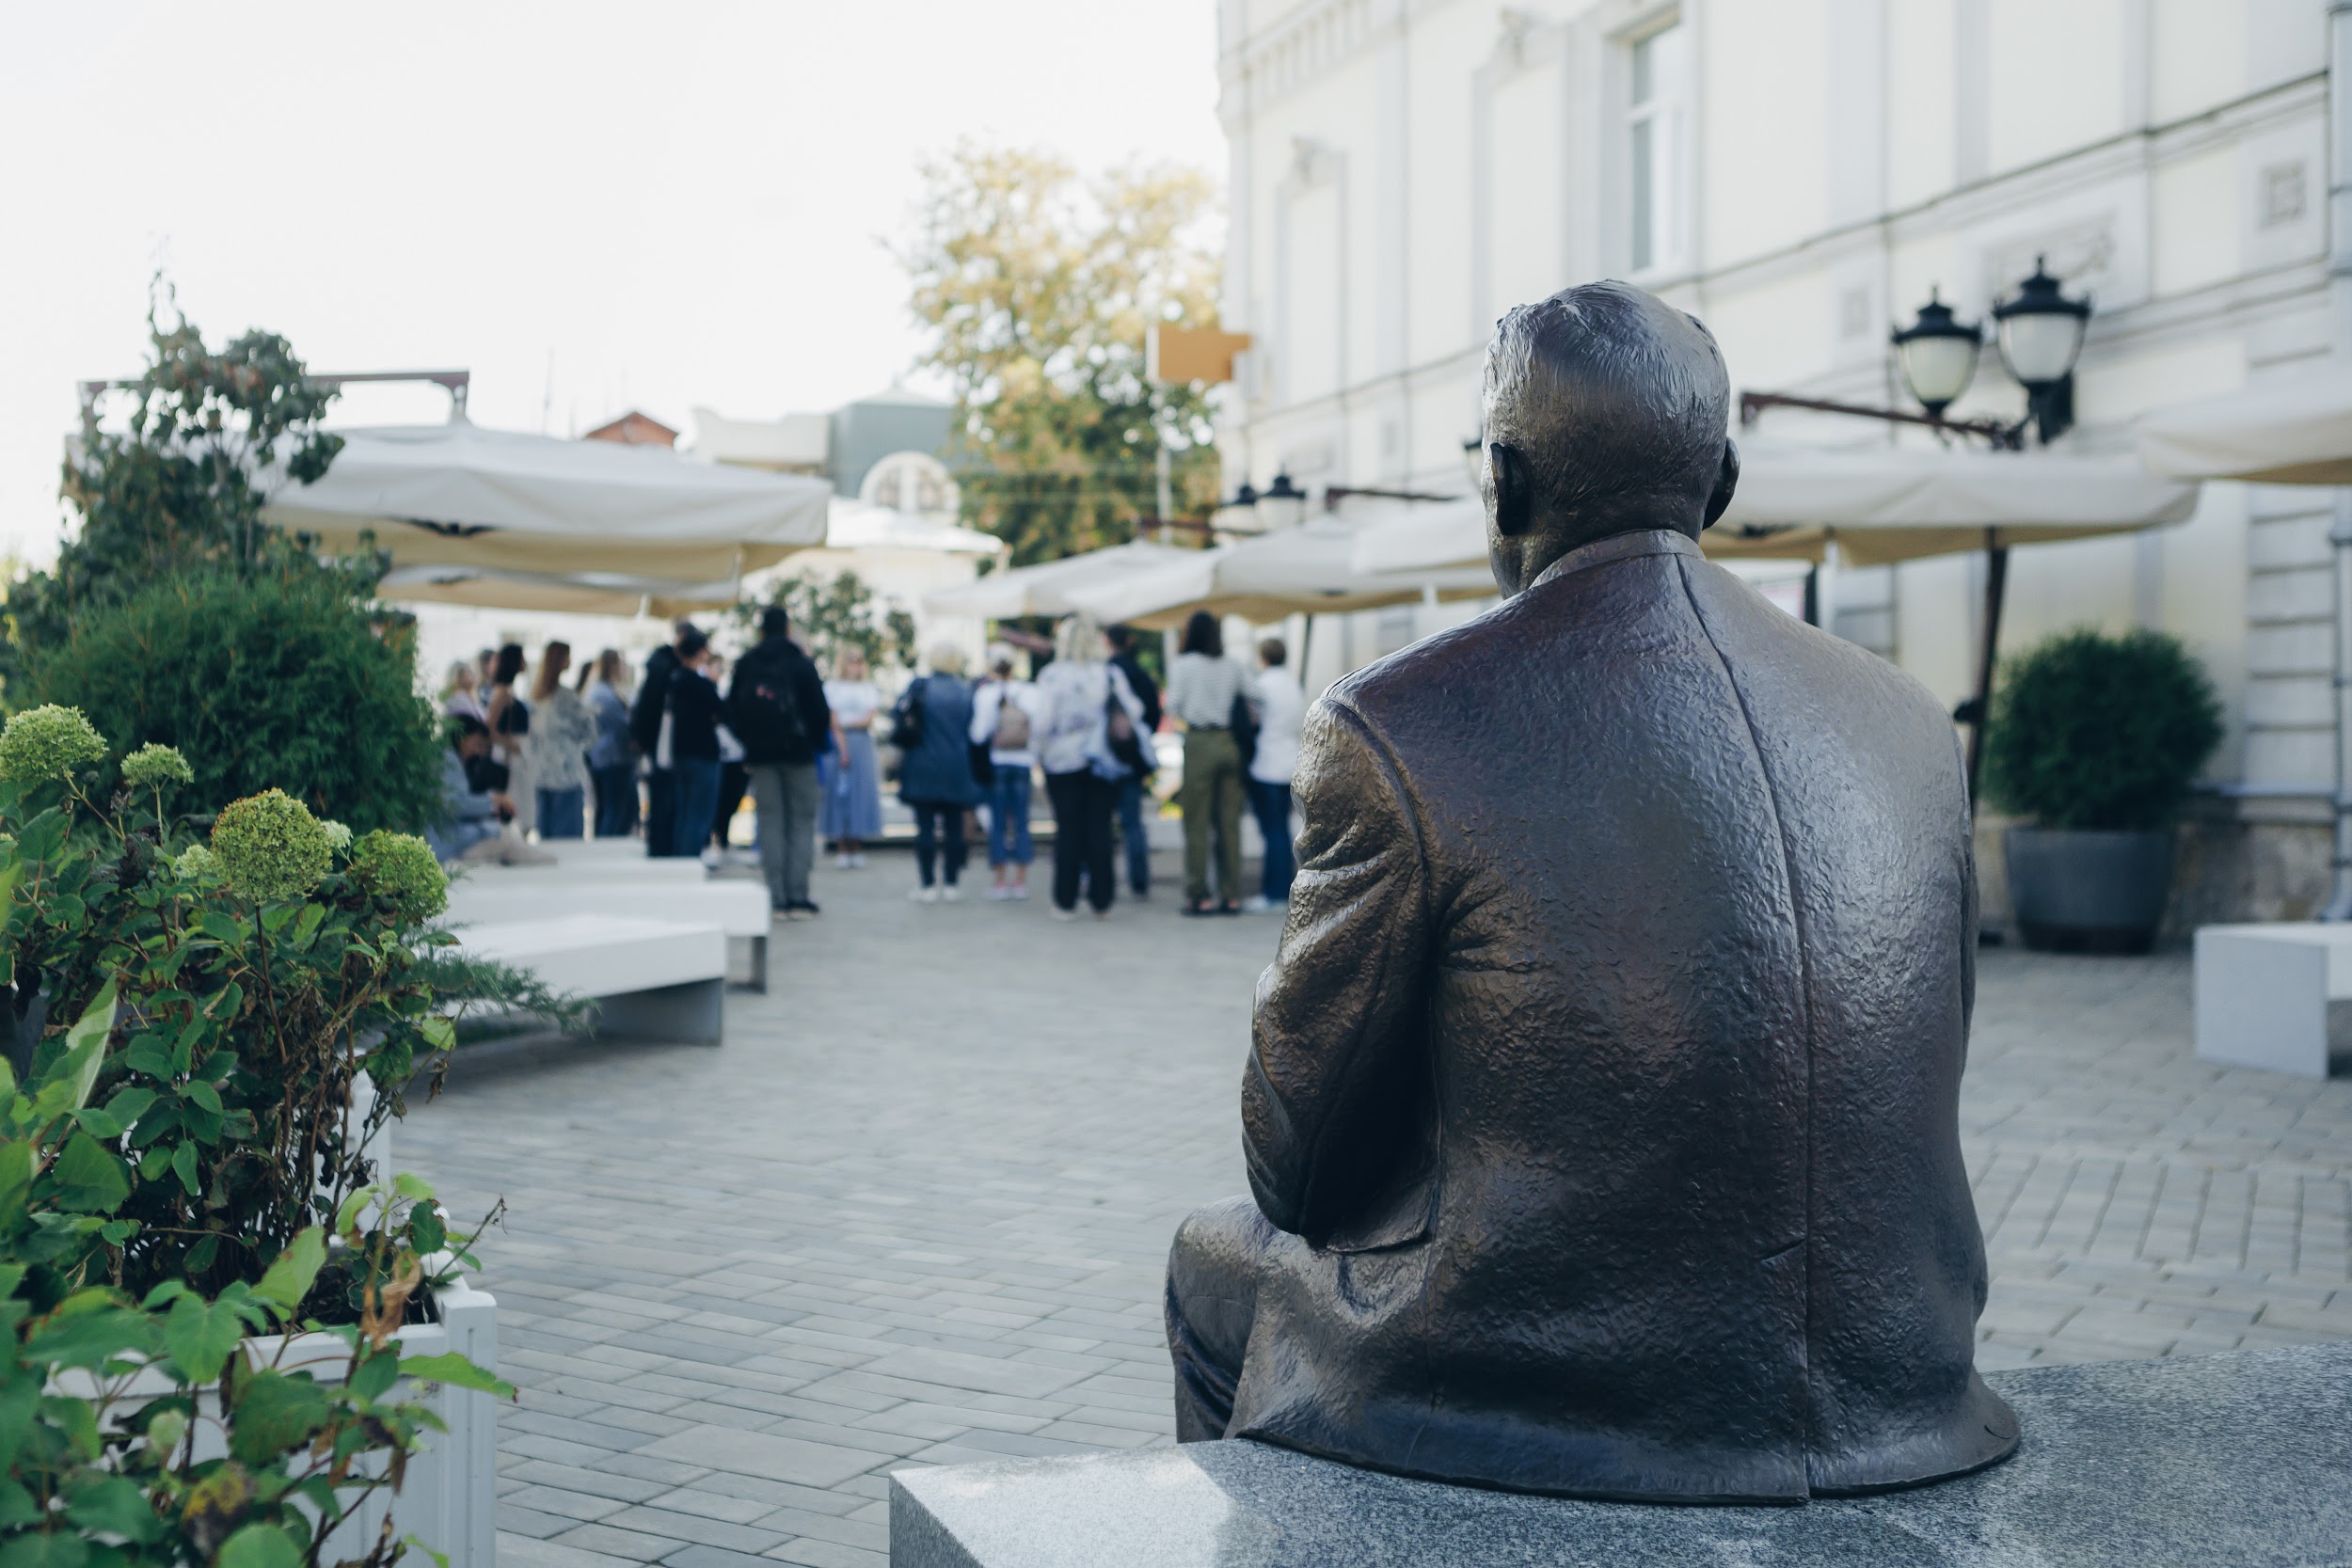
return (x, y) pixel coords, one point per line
(2241, 1461)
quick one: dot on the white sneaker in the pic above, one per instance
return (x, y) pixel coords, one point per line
(1257, 903)
(923, 896)
(710, 858)
(857, 863)
(845, 862)
(1020, 892)
(997, 892)
(1065, 914)
(951, 895)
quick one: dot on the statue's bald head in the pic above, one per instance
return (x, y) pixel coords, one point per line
(1605, 412)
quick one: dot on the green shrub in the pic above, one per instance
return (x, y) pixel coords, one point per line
(183, 1167)
(287, 680)
(2098, 731)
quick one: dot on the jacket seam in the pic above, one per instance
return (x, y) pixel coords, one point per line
(1804, 984)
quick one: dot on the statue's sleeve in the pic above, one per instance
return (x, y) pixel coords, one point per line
(1338, 1074)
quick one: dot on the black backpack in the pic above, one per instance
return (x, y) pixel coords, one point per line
(1243, 724)
(766, 719)
(906, 717)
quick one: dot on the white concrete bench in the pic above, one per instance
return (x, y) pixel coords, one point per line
(2263, 992)
(738, 907)
(656, 979)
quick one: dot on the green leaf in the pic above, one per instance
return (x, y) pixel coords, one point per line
(204, 1094)
(307, 925)
(89, 1339)
(290, 1278)
(374, 1375)
(85, 1049)
(16, 1180)
(115, 1504)
(97, 1123)
(274, 1415)
(57, 1550)
(43, 837)
(184, 1166)
(201, 1336)
(17, 1507)
(223, 927)
(439, 1032)
(130, 1103)
(455, 1370)
(87, 1180)
(254, 1546)
(413, 1188)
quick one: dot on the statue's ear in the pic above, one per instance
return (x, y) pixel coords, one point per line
(1514, 504)
(1726, 481)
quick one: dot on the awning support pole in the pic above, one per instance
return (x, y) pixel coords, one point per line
(1995, 589)
(1306, 646)
(1813, 595)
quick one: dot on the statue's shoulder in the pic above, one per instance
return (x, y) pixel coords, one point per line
(1443, 673)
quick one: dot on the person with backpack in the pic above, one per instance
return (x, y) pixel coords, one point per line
(1091, 741)
(1006, 713)
(776, 707)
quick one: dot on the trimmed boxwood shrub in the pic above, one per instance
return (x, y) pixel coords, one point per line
(2096, 731)
(287, 679)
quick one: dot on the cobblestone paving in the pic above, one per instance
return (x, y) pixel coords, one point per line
(915, 1212)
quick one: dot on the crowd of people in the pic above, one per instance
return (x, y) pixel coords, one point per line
(533, 753)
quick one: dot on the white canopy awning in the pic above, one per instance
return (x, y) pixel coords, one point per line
(1884, 505)
(856, 525)
(1047, 588)
(1307, 569)
(2296, 430)
(459, 495)
(582, 593)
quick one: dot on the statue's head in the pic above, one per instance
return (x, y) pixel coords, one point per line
(1605, 412)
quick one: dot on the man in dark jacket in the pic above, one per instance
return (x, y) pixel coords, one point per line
(776, 707)
(1602, 1115)
(645, 728)
(1135, 786)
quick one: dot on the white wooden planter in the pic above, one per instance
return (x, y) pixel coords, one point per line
(449, 1496)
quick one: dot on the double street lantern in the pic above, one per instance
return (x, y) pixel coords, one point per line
(2040, 334)
(1938, 356)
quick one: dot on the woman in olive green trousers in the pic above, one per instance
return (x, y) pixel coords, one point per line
(1202, 690)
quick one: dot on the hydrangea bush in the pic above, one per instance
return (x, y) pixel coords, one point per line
(182, 1166)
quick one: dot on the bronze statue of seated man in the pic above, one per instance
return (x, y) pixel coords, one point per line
(1602, 1112)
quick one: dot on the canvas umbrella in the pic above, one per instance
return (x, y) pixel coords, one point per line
(1885, 505)
(2296, 430)
(1302, 570)
(458, 495)
(578, 593)
(1046, 588)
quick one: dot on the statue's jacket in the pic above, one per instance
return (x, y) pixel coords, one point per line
(1606, 1080)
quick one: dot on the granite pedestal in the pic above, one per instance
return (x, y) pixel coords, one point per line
(2240, 1460)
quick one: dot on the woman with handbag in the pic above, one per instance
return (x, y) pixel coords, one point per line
(928, 726)
(1092, 717)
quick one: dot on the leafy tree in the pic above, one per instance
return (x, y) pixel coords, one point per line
(829, 615)
(1035, 285)
(2098, 731)
(173, 488)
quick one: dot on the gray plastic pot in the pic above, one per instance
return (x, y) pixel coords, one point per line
(2077, 891)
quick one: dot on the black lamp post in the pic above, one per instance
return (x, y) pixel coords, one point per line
(2040, 334)
(1938, 355)
(1283, 504)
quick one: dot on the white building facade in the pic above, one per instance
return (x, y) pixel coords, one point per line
(1800, 174)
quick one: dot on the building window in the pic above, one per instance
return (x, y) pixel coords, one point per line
(1655, 147)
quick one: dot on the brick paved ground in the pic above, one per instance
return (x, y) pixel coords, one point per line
(915, 1212)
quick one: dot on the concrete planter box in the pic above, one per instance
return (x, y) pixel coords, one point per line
(2076, 891)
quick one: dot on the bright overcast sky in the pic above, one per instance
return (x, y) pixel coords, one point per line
(674, 205)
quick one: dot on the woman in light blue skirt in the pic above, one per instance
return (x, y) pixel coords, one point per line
(848, 773)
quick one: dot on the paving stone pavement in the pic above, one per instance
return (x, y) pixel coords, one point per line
(913, 1211)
